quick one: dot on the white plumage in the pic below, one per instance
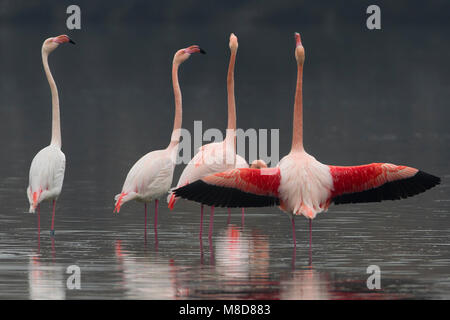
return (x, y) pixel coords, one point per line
(305, 184)
(210, 158)
(149, 178)
(46, 176)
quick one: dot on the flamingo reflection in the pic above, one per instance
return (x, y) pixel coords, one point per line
(148, 276)
(46, 280)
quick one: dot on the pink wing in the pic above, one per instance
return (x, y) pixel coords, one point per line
(378, 181)
(243, 187)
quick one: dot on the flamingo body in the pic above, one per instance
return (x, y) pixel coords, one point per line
(211, 158)
(240, 162)
(305, 184)
(46, 176)
(149, 178)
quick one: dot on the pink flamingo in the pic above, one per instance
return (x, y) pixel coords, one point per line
(48, 166)
(151, 176)
(300, 184)
(241, 163)
(217, 156)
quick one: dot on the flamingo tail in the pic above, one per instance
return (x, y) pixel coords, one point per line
(35, 201)
(122, 198)
(172, 201)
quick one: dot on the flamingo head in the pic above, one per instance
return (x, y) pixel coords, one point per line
(183, 54)
(52, 43)
(299, 50)
(233, 42)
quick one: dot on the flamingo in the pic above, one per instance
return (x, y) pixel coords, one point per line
(217, 156)
(300, 184)
(48, 165)
(151, 176)
(241, 163)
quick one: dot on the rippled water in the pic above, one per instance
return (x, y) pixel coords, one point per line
(362, 105)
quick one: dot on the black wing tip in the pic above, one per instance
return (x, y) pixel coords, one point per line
(427, 179)
(218, 196)
(394, 190)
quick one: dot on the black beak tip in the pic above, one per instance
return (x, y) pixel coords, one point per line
(202, 51)
(71, 41)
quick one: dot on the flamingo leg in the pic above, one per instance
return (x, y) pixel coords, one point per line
(145, 221)
(156, 224)
(201, 222)
(201, 251)
(310, 241)
(211, 222)
(39, 226)
(293, 231)
(156, 213)
(52, 230)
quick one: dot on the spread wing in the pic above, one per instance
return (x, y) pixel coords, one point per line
(378, 181)
(242, 187)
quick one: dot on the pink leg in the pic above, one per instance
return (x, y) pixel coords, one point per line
(52, 230)
(211, 222)
(156, 213)
(201, 221)
(145, 220)
(156, 224)
(310, 241)
(39, 226)
(211, 252)
(293, 232)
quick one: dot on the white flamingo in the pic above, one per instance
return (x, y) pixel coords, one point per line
(151, 176)
(217, 156)
(48, 166)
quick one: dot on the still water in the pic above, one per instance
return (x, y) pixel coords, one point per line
(383, 100)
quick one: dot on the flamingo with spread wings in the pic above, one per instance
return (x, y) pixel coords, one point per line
(300, 184)
(48, 166)
(151, 176)
(217, 156)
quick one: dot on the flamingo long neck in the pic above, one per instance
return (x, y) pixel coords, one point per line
(231, 128)
(56, 125)
(297, 135)
(175, 139)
